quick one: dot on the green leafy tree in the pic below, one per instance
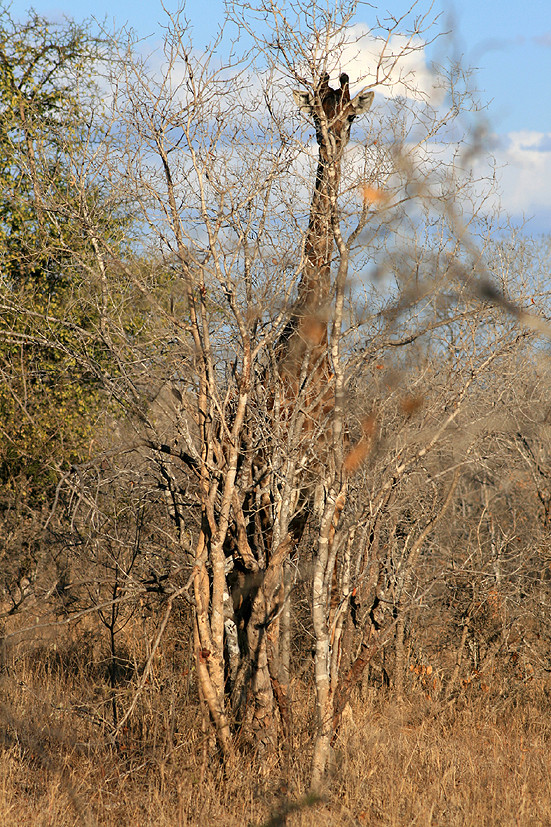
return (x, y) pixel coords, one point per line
(51, 292)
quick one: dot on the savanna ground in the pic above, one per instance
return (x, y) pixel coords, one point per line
(480, 758)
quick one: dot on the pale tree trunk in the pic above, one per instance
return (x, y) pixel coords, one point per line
(285, 626)
(324, 716)
(209, 655)
(400, 660)
(338, 611)
(321, 600)
(263, 713)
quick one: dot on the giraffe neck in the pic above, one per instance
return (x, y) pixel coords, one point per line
(315, 283)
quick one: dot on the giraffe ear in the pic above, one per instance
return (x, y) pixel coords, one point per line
(304, 101)
(362, 102)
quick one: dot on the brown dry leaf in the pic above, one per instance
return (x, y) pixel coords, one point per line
(411, 404)
(373, 195)
(361, 449)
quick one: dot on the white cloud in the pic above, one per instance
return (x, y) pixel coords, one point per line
(401, 62)
(522, 164)
(525, 173)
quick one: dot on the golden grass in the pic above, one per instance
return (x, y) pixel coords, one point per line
(469, 768)
(480, 761)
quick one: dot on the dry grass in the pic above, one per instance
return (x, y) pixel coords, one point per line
(483, 760)
(472, 766)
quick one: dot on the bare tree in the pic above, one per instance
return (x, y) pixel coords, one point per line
(292, 339)
(261, 419)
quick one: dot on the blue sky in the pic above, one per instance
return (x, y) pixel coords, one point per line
(507, 41)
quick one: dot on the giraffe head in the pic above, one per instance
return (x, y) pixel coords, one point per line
(338, 109)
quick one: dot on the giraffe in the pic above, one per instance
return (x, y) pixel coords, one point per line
(306, 345)
(239, 570)
(333, 112)
(302, 350)
(305, 388)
